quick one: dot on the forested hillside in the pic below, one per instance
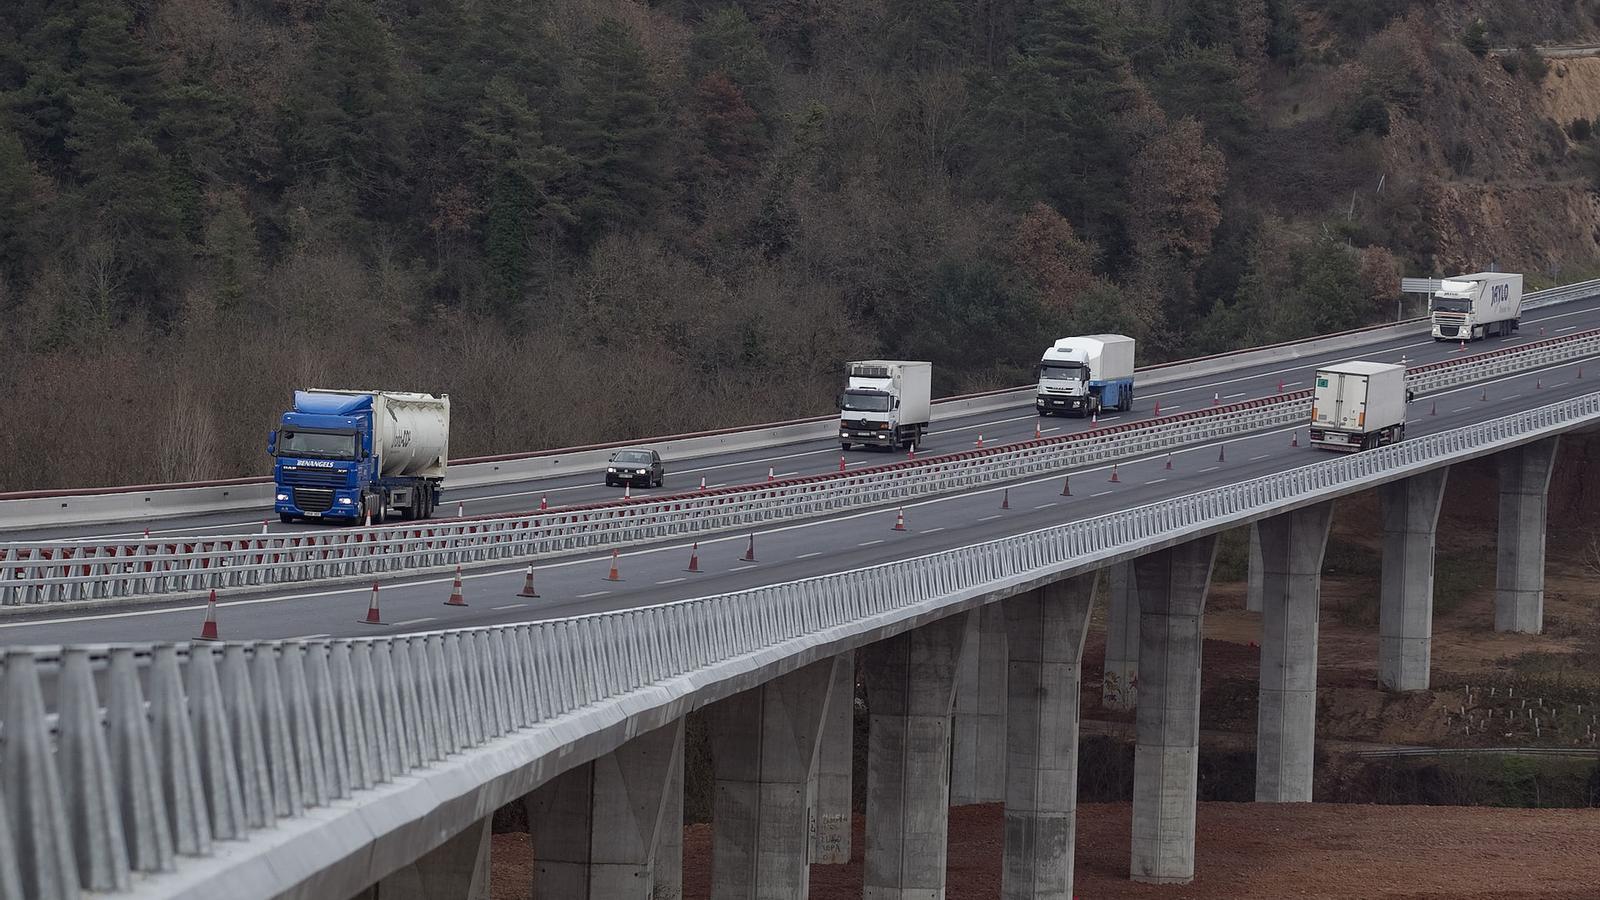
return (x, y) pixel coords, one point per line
(591, 219)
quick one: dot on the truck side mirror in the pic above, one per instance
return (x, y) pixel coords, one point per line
(272, 442)
(895, 403)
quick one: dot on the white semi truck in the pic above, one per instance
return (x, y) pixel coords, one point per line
(1470, 307)
(345, 455)
(1358, 405)
(886, 403)
(1082, 376)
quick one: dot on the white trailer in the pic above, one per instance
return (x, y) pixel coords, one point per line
(1357, 405)
(1470, 307)
(886, 403)
(1081, 376)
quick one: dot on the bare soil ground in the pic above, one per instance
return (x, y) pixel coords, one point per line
(1245, 851)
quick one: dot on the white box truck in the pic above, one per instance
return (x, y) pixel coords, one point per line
(1083, 376)
(1470, 307)
(1358, 405)
(345, 455)
(886, 403)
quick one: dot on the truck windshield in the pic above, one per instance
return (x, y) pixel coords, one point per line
(1061, 370)
(1459, 306)
(317, 443)
(866, 401)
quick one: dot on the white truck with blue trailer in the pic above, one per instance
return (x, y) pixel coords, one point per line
(1082, 376)
(1470, 307)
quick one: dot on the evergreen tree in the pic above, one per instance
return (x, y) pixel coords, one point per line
(349, 112)
(729, 139)
(923, 35)
(617, 134)
(20, 204)
(727, 43)
(232, 252)
(1209, 84)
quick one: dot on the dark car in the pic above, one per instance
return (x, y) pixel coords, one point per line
(635, 466)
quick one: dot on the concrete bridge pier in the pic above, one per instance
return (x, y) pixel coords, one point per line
(458, 869)
(832, 796)
(1292, 547)
(1410, 512)
(1045, 630)
(1255, 583)
(1172, 587)
(1524, 503)
(598, 828)
(910, 682)
(1119, 686)
(978, 752)
(763, 750)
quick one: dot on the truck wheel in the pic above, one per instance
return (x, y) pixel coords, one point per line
(1127, 400)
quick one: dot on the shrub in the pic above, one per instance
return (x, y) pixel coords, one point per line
(1580, 129)
(1476, 38)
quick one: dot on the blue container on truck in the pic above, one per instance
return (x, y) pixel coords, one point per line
(343, 455)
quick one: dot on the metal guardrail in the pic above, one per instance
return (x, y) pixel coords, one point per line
(199, 743)
(1410, 752)
(34, 573)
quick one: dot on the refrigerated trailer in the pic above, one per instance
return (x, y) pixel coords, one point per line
(1358, 405)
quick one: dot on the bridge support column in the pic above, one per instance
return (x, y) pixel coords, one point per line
(763, 748)
(910, 690)
(597, 828)
(1172, 587)
(458, 869)
(668, 869)
(1120, 684)
(1045, 630)
(1410, 510)
(1292, 547)
(832, 793)
(1524, 501)
(1255, 582)
(978, 764)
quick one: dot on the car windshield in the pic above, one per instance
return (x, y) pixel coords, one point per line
(636, 457)
(1061, 370)
(321, 444)
(866, 401)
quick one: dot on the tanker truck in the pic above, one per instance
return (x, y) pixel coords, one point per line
(344, 455)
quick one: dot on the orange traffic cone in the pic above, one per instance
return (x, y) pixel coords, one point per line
(372, 608)
(455, 592)
(694, 558)
(627, 492)
(770, 475)
(1222, 453)
(263, 526)
(1434, 409)
(1169, 462)
(1485, 396)
(1005, 499)
(900, 520)
(369, 519)
(1114, 478)
(911, 452)
(1066, 486)
(544, 503)
(1158, 407)
(1295, 442)
(461, 510)
(980, 439)
(527, 586)
(750, 551)
(613, 576)
(1094, 417)
(1216, 399)
(208, 631)
(1037, 434)
(841, 463)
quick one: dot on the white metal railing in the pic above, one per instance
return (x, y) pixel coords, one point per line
(148, 754)
(46, 572)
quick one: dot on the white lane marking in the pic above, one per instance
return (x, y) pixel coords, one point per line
(1290, 384)
(672, 581)
(810, 555)
(1172, 406)
(1559, 384)
(413, 621)
(1041, 506)
(309, 637)
(1566, 328)
(1101, 494)
(1233, 396)
(784, 474)
(933, 530)
(1157, 481)
(509, 606)
(1050, 429)
(520, 571)
(869, 543)
(1463, 409)
(740, 568)
(1261, 457)
(1514, 397)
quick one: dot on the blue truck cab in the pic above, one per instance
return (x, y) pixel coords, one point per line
(343, 455)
